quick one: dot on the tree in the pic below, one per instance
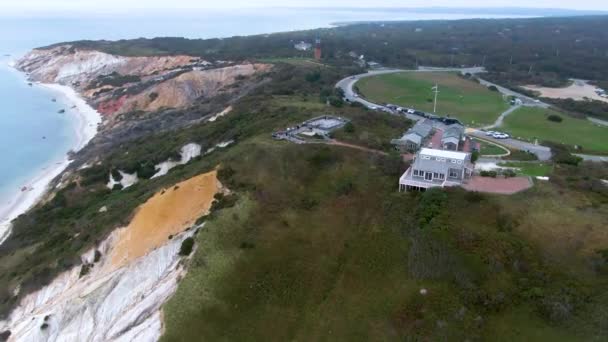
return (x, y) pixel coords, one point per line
(349, 128)
(186, 247)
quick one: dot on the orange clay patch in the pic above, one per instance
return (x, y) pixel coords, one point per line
(168, 212)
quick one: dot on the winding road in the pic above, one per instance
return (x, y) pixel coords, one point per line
(542, 152)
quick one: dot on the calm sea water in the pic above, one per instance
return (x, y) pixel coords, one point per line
(27, 114)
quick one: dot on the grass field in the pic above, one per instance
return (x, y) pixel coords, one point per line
(488, 149)
(530, 169)
(531, 123)
(319, 247)
(466, 100)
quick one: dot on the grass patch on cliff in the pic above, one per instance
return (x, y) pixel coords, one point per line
(321, 246)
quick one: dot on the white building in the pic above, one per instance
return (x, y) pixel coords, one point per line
(437, 168)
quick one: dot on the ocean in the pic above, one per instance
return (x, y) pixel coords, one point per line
(34, 136)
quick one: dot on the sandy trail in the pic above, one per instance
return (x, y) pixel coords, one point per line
(167, 213)
(578, 90)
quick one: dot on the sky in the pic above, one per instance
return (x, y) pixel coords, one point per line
(24, 6)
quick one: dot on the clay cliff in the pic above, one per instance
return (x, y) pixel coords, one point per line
(116, 85)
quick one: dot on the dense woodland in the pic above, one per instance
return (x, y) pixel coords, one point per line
(544, 51)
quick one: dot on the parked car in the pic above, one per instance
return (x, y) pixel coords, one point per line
(490, 133)
(411, 111)
(500, 136)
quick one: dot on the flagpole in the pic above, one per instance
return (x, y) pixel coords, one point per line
(436, 88)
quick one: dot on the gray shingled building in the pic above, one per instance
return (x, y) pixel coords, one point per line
(415, 137)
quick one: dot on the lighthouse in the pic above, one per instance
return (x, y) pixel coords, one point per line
(318, 49)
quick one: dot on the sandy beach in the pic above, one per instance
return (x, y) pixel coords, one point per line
(85, 120)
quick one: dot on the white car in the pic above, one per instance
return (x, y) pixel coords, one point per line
(373, 107)
(411, 111)
(500, 136)
(490, 133)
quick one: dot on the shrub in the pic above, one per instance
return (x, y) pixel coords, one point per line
(554, 118)
(431, 205)
(186, 247)
(97, 256)
(474, 156)
(509, 173)
(85, 269)
(493, 88)
(5, 335)
(349, 127)
(492, 174)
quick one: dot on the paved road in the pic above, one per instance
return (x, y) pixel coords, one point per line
(597, 121)
(527, 101)
(587, 157)
(542, 152)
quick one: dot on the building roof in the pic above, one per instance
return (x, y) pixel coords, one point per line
(413, 138)
(422, 128)
(453, 131)
(443, 154)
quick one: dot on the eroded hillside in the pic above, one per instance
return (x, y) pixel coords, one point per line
(117, 85)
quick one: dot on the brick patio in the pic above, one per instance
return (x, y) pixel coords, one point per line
(505, 186)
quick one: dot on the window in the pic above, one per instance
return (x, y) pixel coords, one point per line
(453, 161)
(428, 176)
(460, 162)
(441, 159)
(435, 175)
(454, 173)
(415, 172)
(426, 157)
(441, 176)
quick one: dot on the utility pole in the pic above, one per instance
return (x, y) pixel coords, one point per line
(530, 71)
(436, 90)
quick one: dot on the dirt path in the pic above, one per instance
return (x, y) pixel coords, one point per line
(356, 147)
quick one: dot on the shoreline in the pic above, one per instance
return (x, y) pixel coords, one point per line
(85, 120)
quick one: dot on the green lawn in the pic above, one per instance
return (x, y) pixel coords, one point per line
(531, 123)
(489, 149)
(530, 169)
(466, 100)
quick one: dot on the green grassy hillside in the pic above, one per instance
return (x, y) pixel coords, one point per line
(463, 99)
(532, 123)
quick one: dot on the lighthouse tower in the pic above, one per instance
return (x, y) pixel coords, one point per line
(318, 49)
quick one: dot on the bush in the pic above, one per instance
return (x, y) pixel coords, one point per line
(493, 88)
(509, 173)
(555, 118)
(186, 247)
(492, 174)
(474, 156)
(349, 127)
